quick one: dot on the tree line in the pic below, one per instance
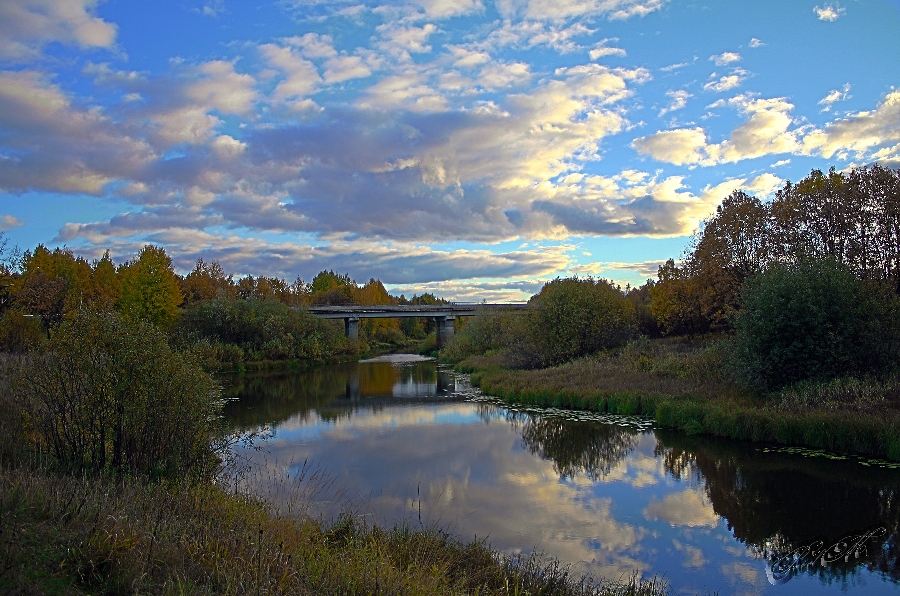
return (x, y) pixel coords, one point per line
(229, 319)
(805, 286)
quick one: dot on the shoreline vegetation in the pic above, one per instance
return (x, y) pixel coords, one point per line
(675, 383)
(779, 325)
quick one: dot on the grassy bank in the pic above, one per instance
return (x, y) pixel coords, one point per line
(679, 383)
(72, 536)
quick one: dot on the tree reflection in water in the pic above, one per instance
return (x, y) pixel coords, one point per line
(575, 446)
(778, 502)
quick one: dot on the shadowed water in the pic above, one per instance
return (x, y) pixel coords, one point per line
(401, 440)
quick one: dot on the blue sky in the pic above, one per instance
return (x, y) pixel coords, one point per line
(472, 148)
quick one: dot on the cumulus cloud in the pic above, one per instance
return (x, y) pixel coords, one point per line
(859, 132)
(829, 12)
(756, 43)
(57, 145)
(718, 84)
(632, 205)
(300, 77)
(766, 131)
(449, 8)
(725, 58)
(560, 10)
(26, 26)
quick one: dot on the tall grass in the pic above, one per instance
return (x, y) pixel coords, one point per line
(70, 535)
(681, 384)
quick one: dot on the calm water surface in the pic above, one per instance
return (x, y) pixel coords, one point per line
(401, 440)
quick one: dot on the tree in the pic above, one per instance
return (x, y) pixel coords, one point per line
(205, 282)
(109, 394)
(814, 321)
(574, 317)
(104, 284)
(150, 289)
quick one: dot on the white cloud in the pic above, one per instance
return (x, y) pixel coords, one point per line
(408, 91)
(726, 82)
(688, 508)
(678, 100)
(562, 10)
(26, 26)
(725, 58)
(858, 133)
(344, 68)
(756, 43)
(449, 8)
(300, 77)
(601, 49)
(499, 75)
(829, 12)
(401, 39)
(766, 131)
(834, 96)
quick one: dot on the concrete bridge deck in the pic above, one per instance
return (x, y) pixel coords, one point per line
(443, 314)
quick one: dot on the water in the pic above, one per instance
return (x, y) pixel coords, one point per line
(400, 440)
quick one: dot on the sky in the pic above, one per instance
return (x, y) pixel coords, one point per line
(470, 148)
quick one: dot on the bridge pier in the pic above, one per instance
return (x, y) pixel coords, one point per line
(443, 327)
(351, 328)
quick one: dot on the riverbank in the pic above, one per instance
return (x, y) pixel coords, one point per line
(73, 536)
(679, 384)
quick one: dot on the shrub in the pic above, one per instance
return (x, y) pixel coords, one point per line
(573, 317)
(813, 321)
(109, 394)
(262, 329)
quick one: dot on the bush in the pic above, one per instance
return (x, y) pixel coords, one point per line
(20, 333)
(262, 329)
(813, 321)
(574, 317)
(109, 394)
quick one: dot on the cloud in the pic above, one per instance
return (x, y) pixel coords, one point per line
(55, 145)
(766, 131)
(678, 100)
(726, 82)
(344, 68)
(829, 12)
(834, 96)
(725, 58)
(8, 222)
(562, 10)
(449, 8)
(26, 26)
(859, 132)
(688, 508)
(601, 49)
(300, 78)
(756, 43)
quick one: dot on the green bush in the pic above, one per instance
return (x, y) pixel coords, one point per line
(262, 329)
(574, 317)
(108, 393)
(813, 321)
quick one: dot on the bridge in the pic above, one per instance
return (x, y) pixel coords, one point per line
(443, 314)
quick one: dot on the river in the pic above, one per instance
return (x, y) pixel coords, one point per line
(402, 440)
